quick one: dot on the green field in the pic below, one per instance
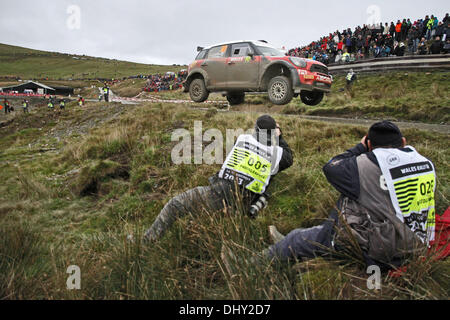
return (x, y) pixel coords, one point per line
(34, 64)
(76, 184)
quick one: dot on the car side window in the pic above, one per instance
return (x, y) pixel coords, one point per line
(218, 52)
(240, 50)
(201, 55)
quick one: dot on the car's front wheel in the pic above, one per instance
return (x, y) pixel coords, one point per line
(280, 90)
(235, 98)
(198, 91)
(311, 98)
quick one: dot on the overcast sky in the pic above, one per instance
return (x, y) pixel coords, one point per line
(168, 32)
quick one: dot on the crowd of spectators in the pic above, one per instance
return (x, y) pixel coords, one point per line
(424, 36)
(109, 81)
(164, 82)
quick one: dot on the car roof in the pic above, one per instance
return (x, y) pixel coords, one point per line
(256, 42)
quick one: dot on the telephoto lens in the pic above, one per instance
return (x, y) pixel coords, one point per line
(261, 203)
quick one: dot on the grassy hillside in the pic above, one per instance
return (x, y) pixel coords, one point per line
(75, 184)
(27, 63)
(417, 96)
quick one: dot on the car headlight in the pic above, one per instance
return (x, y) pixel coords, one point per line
(299, 62)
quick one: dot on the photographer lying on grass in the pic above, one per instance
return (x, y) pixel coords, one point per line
(251, 164)
(387, 203)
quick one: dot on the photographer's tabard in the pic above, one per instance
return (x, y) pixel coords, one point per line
(411, 181)
(251, 163)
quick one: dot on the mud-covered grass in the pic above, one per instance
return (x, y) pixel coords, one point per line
(75, 184)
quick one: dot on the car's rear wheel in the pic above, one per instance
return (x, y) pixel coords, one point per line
(311, 98)
(280, 90)
(197, 90)
(235, 98)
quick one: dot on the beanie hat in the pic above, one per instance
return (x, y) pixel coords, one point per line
(266, 122)
(384, 133)
(265, 128)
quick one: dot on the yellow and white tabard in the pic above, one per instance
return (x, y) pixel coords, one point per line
(251, 163)
(411, 181)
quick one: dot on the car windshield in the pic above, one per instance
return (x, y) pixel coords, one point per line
(269, 51)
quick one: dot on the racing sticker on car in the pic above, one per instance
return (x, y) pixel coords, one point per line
(323, 79)
(241, 59)
(237, 59)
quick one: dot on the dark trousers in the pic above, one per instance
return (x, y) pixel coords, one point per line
(306, 243)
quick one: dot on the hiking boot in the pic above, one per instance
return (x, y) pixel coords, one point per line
(275, 235)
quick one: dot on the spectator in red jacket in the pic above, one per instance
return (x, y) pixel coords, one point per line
(398, 30)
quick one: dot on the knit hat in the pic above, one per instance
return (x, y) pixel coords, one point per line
(266, 122)
(385, 133)
(265, 129)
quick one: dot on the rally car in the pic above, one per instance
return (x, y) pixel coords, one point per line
(255, 66)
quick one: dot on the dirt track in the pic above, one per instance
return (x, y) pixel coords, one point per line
(442, 128)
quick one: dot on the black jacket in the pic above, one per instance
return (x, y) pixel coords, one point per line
(436, 47)
(447, 32)
(342, 171)
(392, 28)
(439, 31)
(287, 158)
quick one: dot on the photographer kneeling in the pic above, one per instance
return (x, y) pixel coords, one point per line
(387, 203)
